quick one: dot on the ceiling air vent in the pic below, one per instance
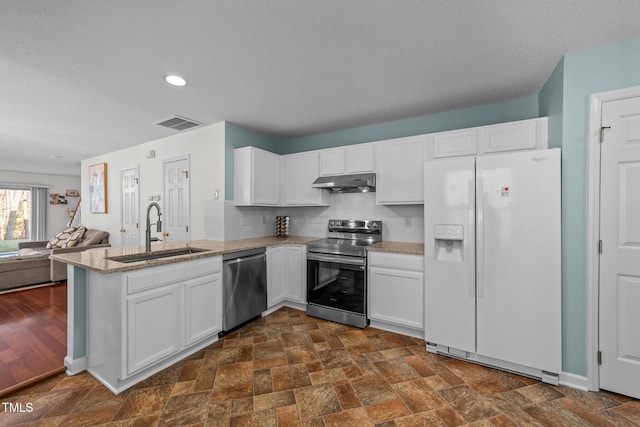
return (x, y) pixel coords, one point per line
(178, 123)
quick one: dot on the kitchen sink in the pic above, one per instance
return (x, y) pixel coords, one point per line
(146, 256)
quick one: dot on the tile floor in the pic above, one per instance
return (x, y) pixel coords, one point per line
(288, 369)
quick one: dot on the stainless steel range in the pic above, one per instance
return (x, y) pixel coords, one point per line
(337, 271)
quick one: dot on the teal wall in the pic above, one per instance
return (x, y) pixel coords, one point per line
(79, 313)
(505, 111)
(237, 137)
(600, 69)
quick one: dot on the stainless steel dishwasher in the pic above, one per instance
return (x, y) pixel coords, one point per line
(244, 290)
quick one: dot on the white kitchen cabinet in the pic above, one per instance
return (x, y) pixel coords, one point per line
(331, 161)
(357, 158)
(455, 143)
(256, 177)
(143, 321)
(396, 291)
(400, 171)
(153, 326)
(300, 170)
(286, 274)
(201, 295)
(521, 135)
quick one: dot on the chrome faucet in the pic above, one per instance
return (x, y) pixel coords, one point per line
(148, 239)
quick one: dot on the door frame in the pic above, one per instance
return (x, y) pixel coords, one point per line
(593, 273)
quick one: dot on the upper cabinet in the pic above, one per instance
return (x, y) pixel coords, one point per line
(400, 171)
(521, 135)
(454, 143)
(299, 172)
(267, 179)
(351, 159)
(256, 176)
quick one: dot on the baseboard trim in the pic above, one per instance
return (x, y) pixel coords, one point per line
(415, 333)
(75, 366)
(574, 381)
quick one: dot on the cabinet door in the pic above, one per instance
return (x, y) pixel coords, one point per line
(400, 171)
(456, 143)
(520, 135)
(256, 177)
(154, 319)
(300, 172)
(265, 177)
(276, 275)
(295, 264)
(396, 296)
(203, 303)
(332, 161)
(359, 158)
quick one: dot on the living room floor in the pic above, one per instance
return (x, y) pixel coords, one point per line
(33, 334)
(288, 369)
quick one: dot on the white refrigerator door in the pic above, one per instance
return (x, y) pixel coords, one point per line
(449, 253)
(518, 258)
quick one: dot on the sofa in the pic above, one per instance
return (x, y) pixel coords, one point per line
(32, 264)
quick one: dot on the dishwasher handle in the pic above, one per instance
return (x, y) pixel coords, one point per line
(245, 259)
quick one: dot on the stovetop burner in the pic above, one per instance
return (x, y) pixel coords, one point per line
(348, 237)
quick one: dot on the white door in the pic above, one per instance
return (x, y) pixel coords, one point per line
(176, 213)
(450, 304)
(130, 228)
(518, 264)
(620, 258)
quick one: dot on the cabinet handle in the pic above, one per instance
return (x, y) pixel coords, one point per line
(122, 230)
(165, 234)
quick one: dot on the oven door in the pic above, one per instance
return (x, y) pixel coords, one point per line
(337, 281)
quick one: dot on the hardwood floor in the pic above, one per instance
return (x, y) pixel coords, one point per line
(33, 335)
(289, 369)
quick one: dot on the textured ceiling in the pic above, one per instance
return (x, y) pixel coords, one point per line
(85, 77)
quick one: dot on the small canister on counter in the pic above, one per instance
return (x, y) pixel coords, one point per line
(282, 226)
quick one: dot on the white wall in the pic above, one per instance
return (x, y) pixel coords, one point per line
(206, 149)
(243, 222)
(57, 217)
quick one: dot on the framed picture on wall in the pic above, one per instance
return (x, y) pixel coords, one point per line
(98, 188)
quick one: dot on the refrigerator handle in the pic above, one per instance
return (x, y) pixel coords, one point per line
(480, 238)
(468, 242)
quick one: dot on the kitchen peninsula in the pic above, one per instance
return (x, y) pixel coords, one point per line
(129, 318)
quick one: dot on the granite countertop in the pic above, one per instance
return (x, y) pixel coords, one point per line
(398, 248)
(97, 259)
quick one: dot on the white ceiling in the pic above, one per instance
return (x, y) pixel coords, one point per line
(84, 77)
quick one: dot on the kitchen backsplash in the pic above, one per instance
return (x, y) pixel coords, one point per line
(400, 223)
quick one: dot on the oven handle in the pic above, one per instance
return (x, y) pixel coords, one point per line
(361, 262)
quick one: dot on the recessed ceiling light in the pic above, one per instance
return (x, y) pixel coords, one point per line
(172, 79)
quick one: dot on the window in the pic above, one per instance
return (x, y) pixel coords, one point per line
(15, 218)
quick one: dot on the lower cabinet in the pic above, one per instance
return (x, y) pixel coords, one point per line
(286, 274)
(142, 321)
(396, 291)
(153, 326)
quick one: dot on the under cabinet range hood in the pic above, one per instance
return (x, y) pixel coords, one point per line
(355, 183)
